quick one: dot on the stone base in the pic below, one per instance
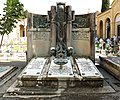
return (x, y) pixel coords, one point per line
(41, 73)
(44, 75)
(89, 83)
(45, 92)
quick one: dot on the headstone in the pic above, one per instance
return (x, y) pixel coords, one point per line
(61, 46)
(76, 31)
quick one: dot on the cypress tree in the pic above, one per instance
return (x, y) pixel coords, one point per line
(105, 5)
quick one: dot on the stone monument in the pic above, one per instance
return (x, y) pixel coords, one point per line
(60, 52)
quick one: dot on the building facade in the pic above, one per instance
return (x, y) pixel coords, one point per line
(19, 34)
(108, 22)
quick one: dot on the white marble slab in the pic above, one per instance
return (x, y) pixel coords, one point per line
(87, 68)
(34, 67)
(55, 71)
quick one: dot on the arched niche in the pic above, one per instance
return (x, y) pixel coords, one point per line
(107, 27)
(101, 29)
(22, 31)
(117, 26)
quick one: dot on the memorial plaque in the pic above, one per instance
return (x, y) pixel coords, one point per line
(55, 71)
(41, 42)
(81, 41)
(41, 35)
(87, 68)
(35, 67)
(81, 34)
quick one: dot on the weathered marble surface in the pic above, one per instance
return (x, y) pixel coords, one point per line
(87, 68)
(55, 71)
(81, 42)
(35, 67)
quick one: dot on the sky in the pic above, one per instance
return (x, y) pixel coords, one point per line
(42, 6)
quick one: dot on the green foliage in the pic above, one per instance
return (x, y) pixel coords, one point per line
(105, 5)
(13, 12)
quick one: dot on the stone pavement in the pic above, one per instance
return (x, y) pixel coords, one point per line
(5, 86)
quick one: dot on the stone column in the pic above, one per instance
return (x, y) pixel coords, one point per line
(112, 32)
(29, 53)
(92, 36)
(69, 26)
(104, 30)
(53, 34)
(52, 18)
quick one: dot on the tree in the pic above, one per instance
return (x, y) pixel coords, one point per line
(14, 11)
(105, 5)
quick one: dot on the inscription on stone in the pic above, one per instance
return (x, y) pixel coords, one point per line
(36, 64)
(81, 34)
(55, 70)
(41, 36)
(87, 68)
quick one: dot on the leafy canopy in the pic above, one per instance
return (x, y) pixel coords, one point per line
(14, 10)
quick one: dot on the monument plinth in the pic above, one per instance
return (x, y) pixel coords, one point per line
(61, 50)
